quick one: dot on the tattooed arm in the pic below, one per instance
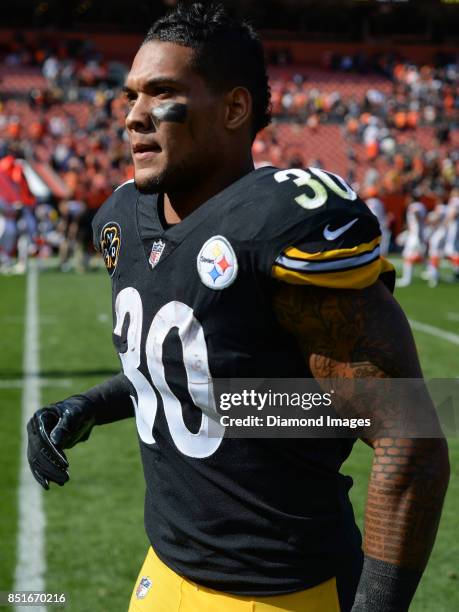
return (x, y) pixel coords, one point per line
(364, 334)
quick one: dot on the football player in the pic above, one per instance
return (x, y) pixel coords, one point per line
(436, 229)
(219, 270)
(452, 232)
(414, 246)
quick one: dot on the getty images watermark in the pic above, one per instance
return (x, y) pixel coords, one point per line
(279, 402)
(330, 408)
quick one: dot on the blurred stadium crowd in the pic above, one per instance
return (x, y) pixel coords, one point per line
(388, 126)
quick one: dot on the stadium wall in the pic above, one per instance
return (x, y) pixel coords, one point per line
(315, 53)
(123, 46)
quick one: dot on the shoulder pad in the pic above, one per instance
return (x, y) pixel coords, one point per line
(321, 232)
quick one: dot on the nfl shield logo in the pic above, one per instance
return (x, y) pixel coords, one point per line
(143, 588)
(156, 252)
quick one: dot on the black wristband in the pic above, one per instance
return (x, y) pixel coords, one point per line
(385, 587)
(111, 400)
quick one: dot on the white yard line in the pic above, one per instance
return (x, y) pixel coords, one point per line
(31, 560)
(42, 382)
(435, 331)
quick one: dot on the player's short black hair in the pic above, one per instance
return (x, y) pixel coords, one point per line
(227, 52)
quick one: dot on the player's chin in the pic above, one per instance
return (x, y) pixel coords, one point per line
(147, 180)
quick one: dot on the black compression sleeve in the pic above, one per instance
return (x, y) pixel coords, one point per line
(111, 400)
(385, 587)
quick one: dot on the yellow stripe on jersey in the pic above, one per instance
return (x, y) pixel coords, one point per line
(357, 278)
(334, 253)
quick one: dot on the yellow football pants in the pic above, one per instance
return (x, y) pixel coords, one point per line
(159, 589)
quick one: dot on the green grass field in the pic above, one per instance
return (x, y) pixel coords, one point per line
(95, 541)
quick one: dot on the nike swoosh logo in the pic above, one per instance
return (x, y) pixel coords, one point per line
(334, 234)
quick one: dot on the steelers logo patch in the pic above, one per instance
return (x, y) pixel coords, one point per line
(217, 263)
(110, 242)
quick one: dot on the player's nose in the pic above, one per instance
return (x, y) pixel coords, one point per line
(139, 118)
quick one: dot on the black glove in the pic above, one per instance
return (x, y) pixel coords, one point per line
(52, 428)
(64, 424)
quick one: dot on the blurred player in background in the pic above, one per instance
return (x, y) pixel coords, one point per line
(8, 236)
(413, 240)
(452, 232)
(71, 250)
(435, 234)
(48, 236)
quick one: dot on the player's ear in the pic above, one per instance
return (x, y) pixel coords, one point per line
(238, 108)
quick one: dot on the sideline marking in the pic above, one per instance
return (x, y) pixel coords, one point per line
(31, 561)
(43, 382)
(434, 331)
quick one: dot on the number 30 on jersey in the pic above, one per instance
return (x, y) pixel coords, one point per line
(195, 360)
(318, 194)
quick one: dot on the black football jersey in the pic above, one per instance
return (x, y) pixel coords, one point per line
(193, 302)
